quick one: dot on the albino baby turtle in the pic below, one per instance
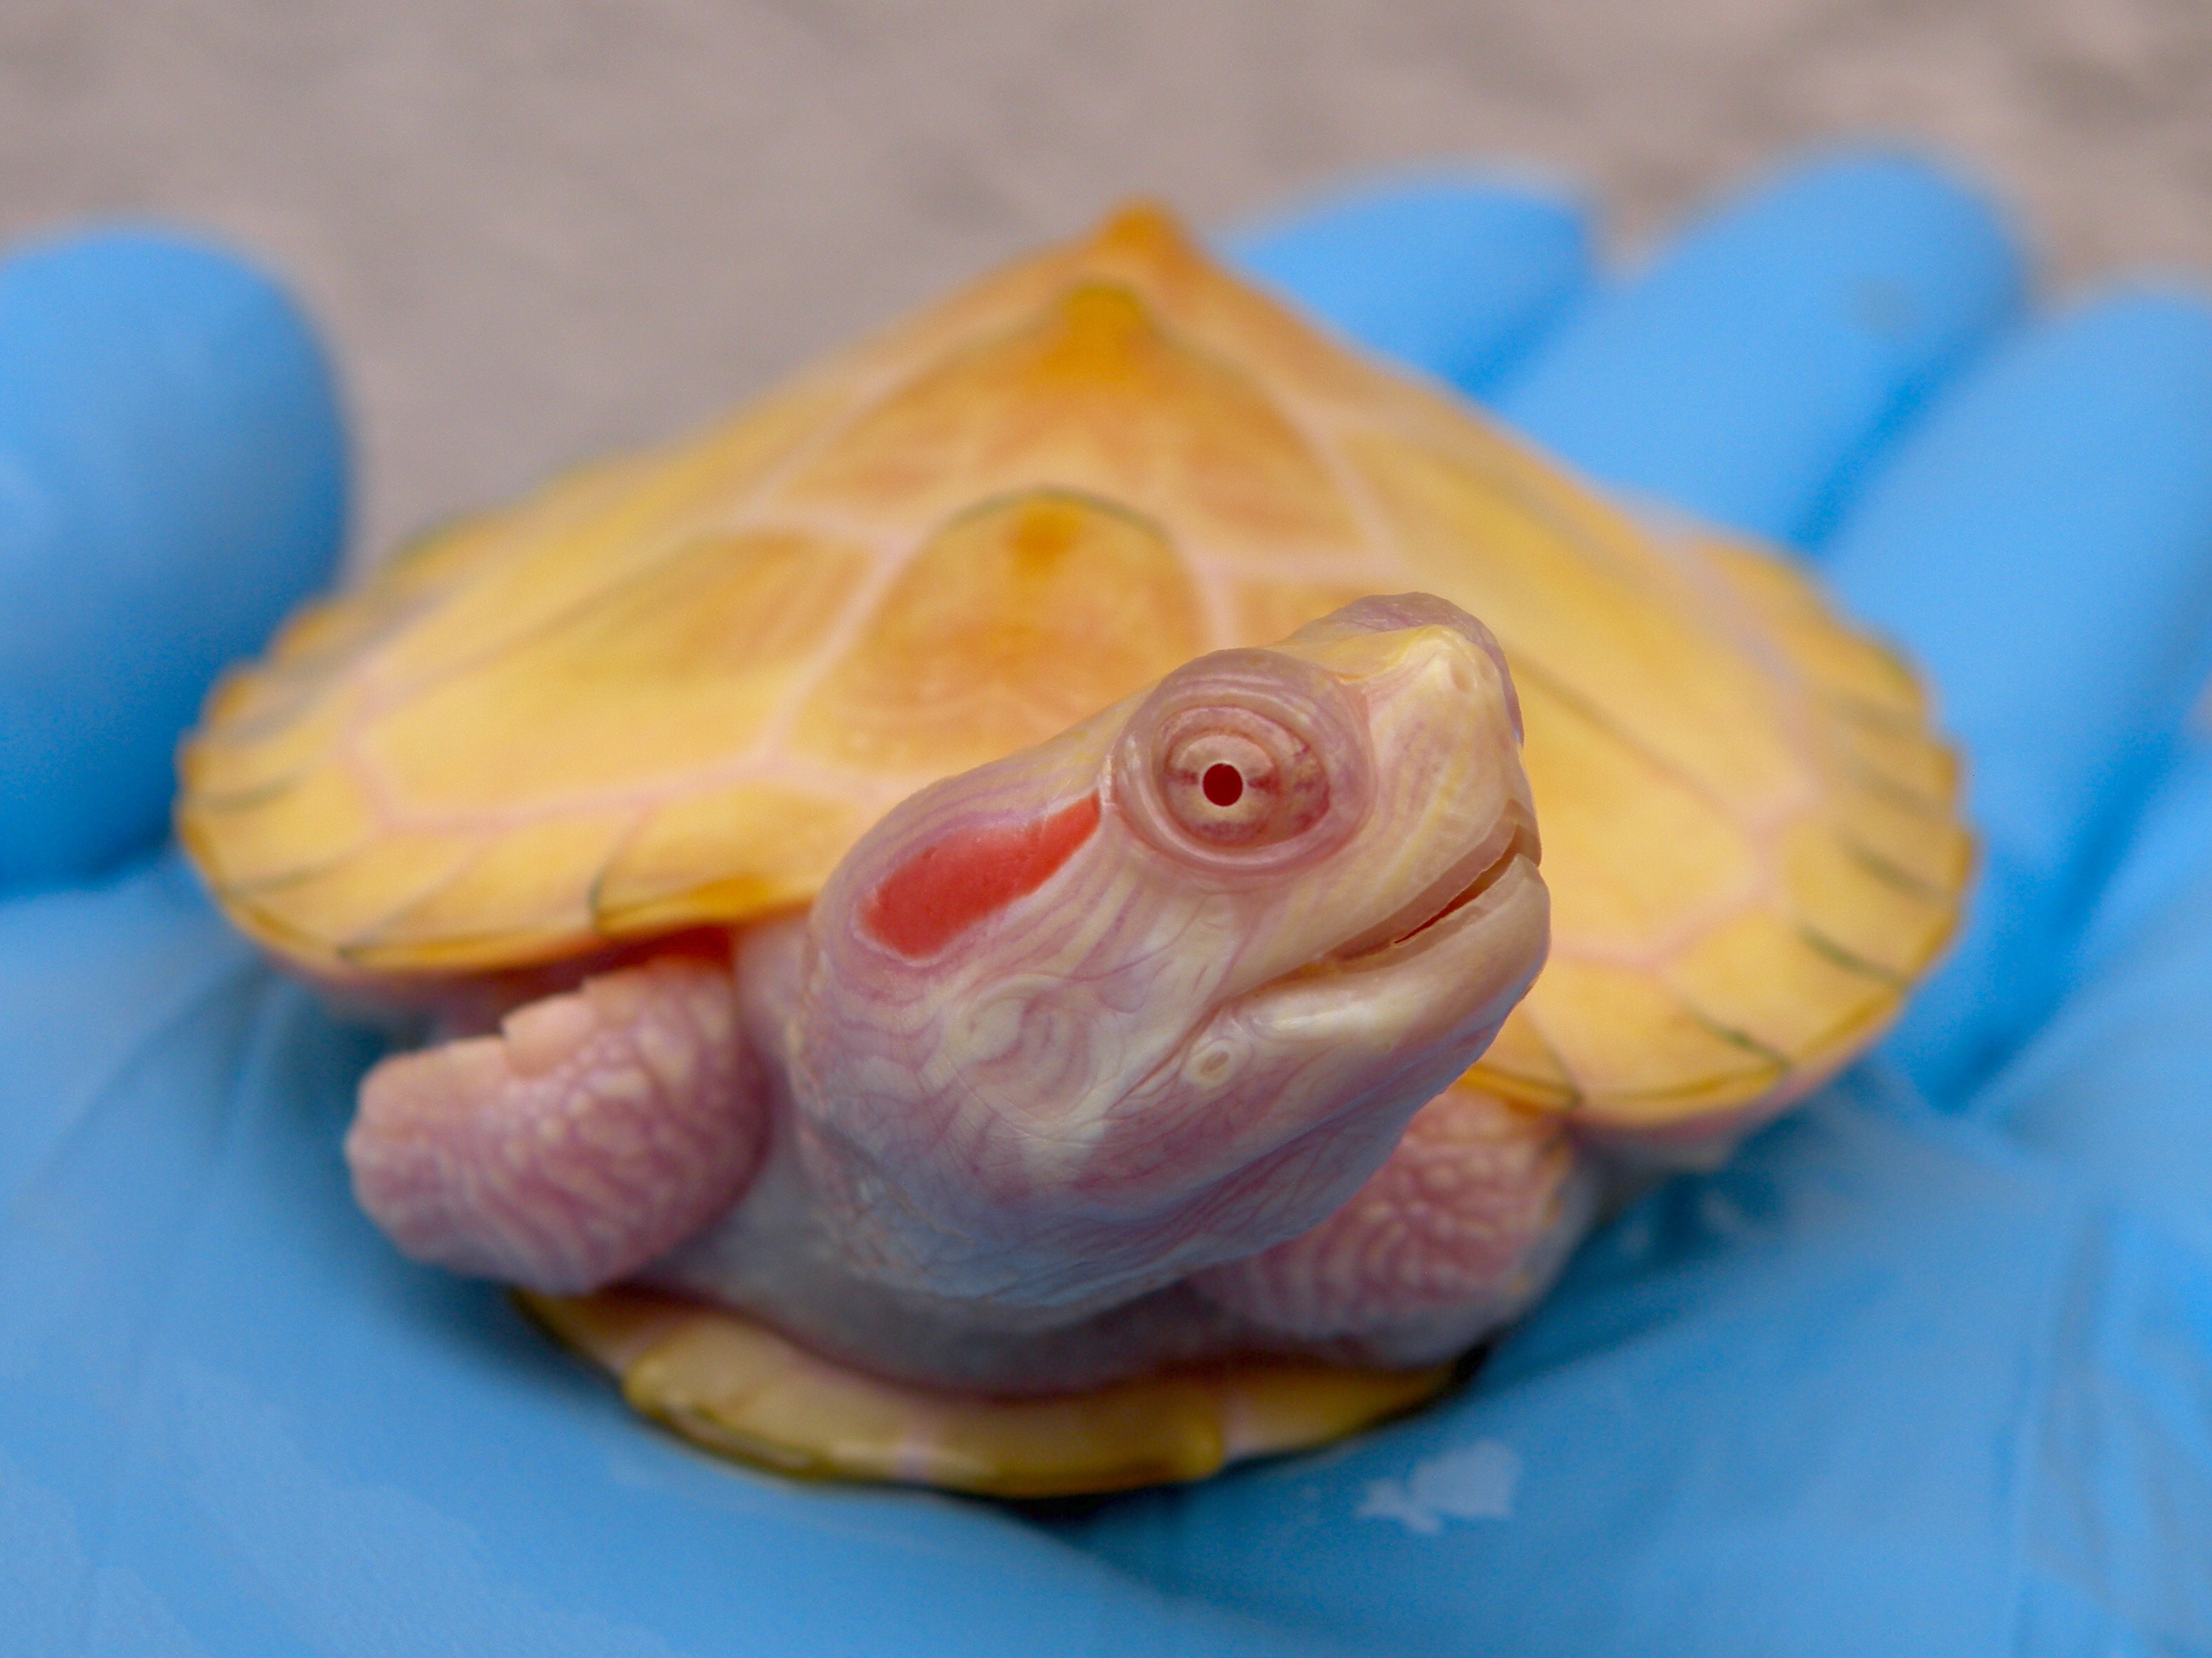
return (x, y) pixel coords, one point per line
(969, 946)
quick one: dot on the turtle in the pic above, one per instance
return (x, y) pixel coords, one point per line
(1098, 884)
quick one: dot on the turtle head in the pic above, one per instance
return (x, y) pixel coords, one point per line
(1163, 990)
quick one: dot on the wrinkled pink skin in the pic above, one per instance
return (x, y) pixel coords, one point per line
(1155, 1107)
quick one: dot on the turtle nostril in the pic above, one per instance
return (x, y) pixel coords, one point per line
(1223, 784)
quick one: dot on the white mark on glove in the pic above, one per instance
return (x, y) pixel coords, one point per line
(1475, 1482)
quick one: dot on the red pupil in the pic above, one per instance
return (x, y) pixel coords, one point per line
(1224, 784)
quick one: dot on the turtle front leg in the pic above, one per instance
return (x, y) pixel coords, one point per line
(595, 1131)
(1465, 1224)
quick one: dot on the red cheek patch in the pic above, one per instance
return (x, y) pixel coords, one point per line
(947, 887)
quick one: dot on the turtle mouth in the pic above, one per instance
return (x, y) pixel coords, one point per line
(1523, 845)
(1511, 841)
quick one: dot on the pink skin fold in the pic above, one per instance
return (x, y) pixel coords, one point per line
(1078, 1058)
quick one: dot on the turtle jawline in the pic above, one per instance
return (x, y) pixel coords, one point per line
(1519, 847)
(1522, 845)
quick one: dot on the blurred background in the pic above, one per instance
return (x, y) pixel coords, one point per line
(539, 228)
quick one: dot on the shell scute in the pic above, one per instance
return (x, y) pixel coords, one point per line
(1759, 974)
(1521, 1067)
(1637, 1050)
(1274, 608)
(676, 670)
(1094, 397)
(1862, 907)
(252, 758)
(522, 895)
(1902, 757)
(1625, 638)
(591, 531)
(724, 854)
(1918, 839)
(1849, 669)
(1016, 620)
(1597, 792)
(314, 912)
(298, 825)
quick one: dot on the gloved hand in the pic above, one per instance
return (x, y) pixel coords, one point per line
(1906, 1377)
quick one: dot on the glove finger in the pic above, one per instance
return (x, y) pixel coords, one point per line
(2114, 1086)
(172, 478)
(2044, 546)
(1751, 372)
(1456, 275)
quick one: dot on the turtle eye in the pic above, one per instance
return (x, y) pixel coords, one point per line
(1232, 777)
(1243, 760)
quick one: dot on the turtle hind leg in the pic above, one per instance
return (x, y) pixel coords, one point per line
(1465, 1226)
(596, 1130)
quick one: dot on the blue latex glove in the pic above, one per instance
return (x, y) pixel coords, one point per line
(1901, 1380)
